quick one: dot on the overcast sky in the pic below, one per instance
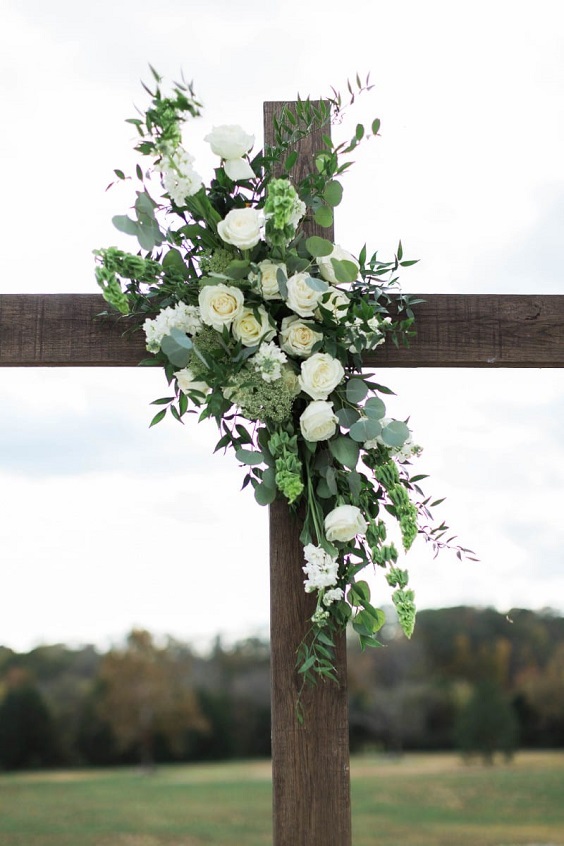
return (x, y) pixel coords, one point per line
(105, 524)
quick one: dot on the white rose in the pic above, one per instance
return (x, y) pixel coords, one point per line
(297, 337)
(268, 281)
(318, 422)
(187, 382)
(325, 265)
(229, 141)
(320, 374)
(344, 523)
(251, 328)
(301, 297)
(241, 228)
(336, 302)
(220, 305)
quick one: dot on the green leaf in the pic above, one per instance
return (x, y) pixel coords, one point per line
(319, 247)
(264, 494)
(347, 416)
(237, 269)
(375, 408)
(247, 456)
(346, 451)
(376, 126)
(333, 193)
(324, 217)
(359, 593)
(354, 483)
(174, 261)
(345, 271)
(356, 390)
(157, 418)
(317, 284)
(395, 434)
(282, 281)
(365, 430)
(125, 224)
(177, 347)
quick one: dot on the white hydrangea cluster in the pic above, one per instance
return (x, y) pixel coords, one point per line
(181, 316)
(269, 360)
(368, 340)
(180, 180)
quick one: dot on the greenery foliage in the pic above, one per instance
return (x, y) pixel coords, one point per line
(262, 329)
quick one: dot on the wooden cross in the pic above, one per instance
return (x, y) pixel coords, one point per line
(311, 784)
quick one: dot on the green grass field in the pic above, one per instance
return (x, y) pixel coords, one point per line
(416, 800)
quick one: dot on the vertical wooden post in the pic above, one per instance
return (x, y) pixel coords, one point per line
(310, 761)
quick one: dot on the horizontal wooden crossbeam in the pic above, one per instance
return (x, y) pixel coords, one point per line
(453, 330)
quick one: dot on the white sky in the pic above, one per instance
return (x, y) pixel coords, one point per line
(105, 524)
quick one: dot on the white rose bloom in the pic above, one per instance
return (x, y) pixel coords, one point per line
(251, 328)
(241, 228)
(344, 523)
(298, 337)
(220, 305)
(318, 422)
(301, 297)
(336, 302)
(231, 142)
(267, 280)
(320, 374)
(187, 382)
(325, 265)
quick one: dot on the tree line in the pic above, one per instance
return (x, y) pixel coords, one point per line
(471, 679)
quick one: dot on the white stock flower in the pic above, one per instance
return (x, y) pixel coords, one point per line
(231, 142)
(180, 180)
(187, 382)
(318, 422)
(325, 264)
(268, 361)
(241, 228)
(181, 316)
(297, 336)
(301, 297)
(220, 305)
(320, 374)
(333, 595)
(344, 523)
(321, 568)
(267, 280)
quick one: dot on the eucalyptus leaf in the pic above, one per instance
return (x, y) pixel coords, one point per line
(177, 347)
(395, 434)
(125, 224)
(323, 217)
(346, 451)
(319, 247)
(282, 281)
(317, 284)
(354, 483)
(248, 456)
(375, 408)
(333, 193)
(345, 271)
(347, 416)
(237, 269)
(356, 390)
(365, 429)
(264, 494)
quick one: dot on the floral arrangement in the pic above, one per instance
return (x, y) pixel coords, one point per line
(263, 329)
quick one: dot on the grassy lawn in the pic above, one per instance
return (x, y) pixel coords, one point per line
(417, 800)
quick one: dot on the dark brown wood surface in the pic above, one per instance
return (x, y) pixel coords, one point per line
(310, 761)
(453, 330)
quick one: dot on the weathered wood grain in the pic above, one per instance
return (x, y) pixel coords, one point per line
(453, 330)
